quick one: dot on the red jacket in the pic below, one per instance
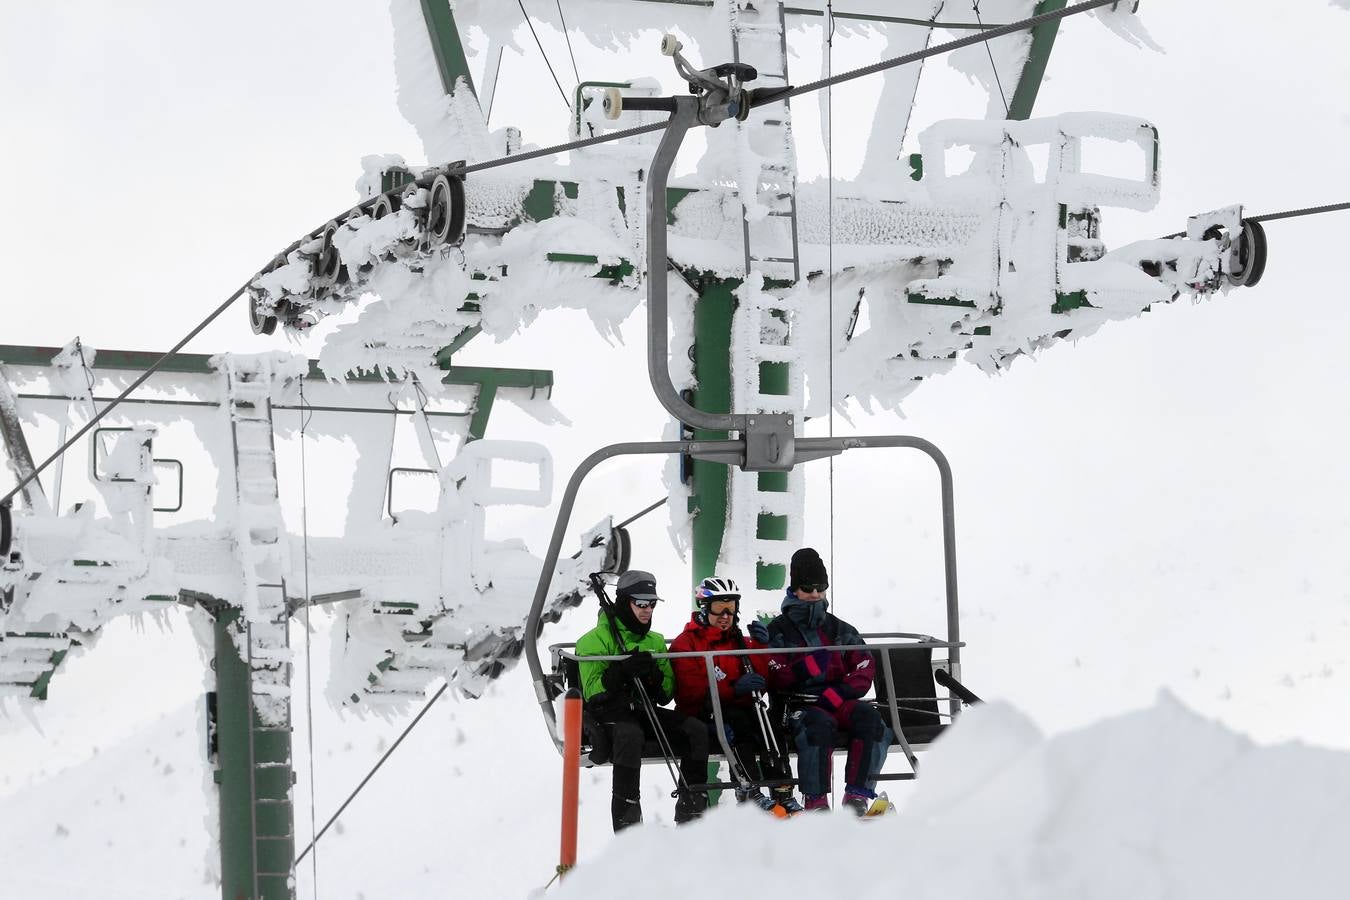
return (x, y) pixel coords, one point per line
(691, 675)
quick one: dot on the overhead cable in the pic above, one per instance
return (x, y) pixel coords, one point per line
(989, 51)
(537, 43)
(570, 52)
(1298, 213)
(1287, 214)
(352, 796)
(939, 49)
(113, 404)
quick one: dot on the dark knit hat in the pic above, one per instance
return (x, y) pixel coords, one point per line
(808, 568)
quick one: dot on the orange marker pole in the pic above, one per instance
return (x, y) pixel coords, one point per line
(567, 856)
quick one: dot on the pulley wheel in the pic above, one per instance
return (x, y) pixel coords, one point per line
(619, 551)
(1247, 262)
(328, 263)
(613, 103)
(258, 320)
(383, 206)
(445, 211)
(6, 531)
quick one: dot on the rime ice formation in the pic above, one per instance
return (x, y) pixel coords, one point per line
(425, 595)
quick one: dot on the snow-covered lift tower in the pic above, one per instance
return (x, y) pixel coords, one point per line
(181, 503)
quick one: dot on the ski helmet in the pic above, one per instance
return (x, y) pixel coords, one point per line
(715, 588)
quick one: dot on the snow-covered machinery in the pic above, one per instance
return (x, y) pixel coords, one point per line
(789, 298)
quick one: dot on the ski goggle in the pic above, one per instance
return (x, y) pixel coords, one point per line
(813, 588)
(723, 607)
(643, 604)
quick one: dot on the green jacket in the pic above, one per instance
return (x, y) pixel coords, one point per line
(599, 641)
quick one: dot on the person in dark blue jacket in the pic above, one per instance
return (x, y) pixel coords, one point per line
(823, 691)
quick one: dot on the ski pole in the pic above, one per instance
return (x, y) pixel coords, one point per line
(762, 717)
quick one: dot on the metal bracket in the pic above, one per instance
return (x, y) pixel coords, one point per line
(770, 444)
(720, 89)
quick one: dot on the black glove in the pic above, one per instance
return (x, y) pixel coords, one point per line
(639, 664)
(614, 678)
(758, 631)
(749, 683)
(620, 675)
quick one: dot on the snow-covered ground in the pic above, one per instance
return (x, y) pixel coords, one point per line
(1154, 803)
(1162, 507)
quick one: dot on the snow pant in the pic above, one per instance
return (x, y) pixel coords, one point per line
(814, 731)
(747, 741)
(629, 730)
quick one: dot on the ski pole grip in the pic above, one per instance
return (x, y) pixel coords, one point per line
(567, 854)
(944, 678)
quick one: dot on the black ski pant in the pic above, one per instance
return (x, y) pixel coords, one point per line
(629, 731)
(748, 742)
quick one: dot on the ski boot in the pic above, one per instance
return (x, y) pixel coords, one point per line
(689, 806)
(817, 804)
(624, 813)
(784, 805)
(866, 804)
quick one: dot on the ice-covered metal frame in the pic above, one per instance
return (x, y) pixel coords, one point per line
(806, 449)
(63, 577)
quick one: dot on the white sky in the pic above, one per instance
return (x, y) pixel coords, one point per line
(1163, 504)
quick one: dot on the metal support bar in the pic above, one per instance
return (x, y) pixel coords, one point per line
(769, 438)
(11, 429)
(446, 46)
(681, 120)
(1038, 57)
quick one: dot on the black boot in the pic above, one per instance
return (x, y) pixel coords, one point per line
(625, 807)
(624, 812)
(689, 806)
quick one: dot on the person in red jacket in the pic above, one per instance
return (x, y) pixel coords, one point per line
(741, 681)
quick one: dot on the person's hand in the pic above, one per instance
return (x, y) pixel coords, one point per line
(639, 664)
(614, 678)
(758, 631)
(749, 683)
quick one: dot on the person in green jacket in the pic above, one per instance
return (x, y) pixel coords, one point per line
(613, 700)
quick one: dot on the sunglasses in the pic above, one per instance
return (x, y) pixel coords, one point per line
(643, 604)
(813, 588)
(723, 608)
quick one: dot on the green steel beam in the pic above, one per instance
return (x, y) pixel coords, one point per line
(139, 361)
(254, 796)
(451, 60)
(1038, 57)
(197, 364)
(489, 380)
(712, 368)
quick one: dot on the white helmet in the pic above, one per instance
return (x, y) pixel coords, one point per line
(716, 588)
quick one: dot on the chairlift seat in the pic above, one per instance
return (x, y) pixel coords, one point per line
(916, 701)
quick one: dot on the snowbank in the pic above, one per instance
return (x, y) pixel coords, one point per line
(1157, 803)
